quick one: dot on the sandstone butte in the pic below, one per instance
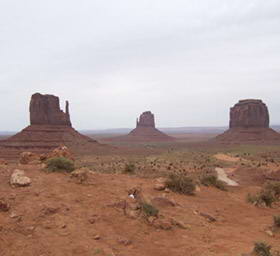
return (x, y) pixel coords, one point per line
(49, 128)
(145, 130)
(249, 122)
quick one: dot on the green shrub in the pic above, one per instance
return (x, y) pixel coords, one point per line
(181, 184)
(129, 168)
(58, 164)
(149, 210)
(276, 220)
(212, 180)
(262, 249)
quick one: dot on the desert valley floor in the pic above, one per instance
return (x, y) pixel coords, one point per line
(62, 215)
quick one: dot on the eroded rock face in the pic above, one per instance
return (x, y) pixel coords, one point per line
(45, 110)
(249, 114)
(146, 119)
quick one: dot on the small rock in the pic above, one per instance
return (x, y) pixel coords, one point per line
(162, 224)
(208, 217)
(163, 202)
(13, 215)
(4, 205)
(269, 232)
(18, 179)
(159, 186)
(124, 241)
(91, 220)
(96, 237)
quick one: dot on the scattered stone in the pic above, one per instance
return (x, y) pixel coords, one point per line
(62, 151)
(29, 158)
(124, 241)
(179, 224)
(96, 237)
(160, 184)
(208, 217)
(4, 205)
(162, 224)
(269, 232)
(80, 175)
(18, 179)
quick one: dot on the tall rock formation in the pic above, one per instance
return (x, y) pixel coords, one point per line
(249, 114)
(45, 110)
(249, 122)
(145, 131)
(49, 128)
(146, 119)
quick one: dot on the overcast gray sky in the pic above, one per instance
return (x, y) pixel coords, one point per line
(186, 61)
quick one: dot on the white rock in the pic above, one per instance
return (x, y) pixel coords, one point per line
(18, 179)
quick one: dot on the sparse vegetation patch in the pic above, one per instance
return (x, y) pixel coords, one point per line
(60, 164)
(180, 183)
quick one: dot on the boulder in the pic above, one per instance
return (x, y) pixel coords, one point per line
(29, 158)
(18, 179)
(61, 151)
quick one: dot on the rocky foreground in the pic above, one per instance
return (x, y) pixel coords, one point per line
(90, 213)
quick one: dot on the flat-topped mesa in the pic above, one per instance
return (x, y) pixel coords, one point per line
(45, 110)
(249, 113)
(147, 119)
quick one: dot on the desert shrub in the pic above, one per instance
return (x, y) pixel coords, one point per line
(274, 187)
(262, 249)
(149, 210)
(181, 184)
(212, 180)
(267, 196)
(58, 164)
(276, 221)
(264, 197)
(129, 168)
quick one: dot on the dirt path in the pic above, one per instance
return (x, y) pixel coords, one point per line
(223, 177)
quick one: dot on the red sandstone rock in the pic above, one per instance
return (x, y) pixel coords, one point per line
(249, 113)
(29, 158)
(145, 130)
(146, 119)
(249, 122)
(62, 151)
(50, 128)
(45, 110)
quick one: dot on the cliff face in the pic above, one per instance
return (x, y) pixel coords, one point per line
(249, 123)
(45, 110)
(249, 114)
(146, 119)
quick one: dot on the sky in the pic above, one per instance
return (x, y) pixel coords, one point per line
(186, 61)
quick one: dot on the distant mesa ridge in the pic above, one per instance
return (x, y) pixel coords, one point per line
(49, 128)
(249, 122)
